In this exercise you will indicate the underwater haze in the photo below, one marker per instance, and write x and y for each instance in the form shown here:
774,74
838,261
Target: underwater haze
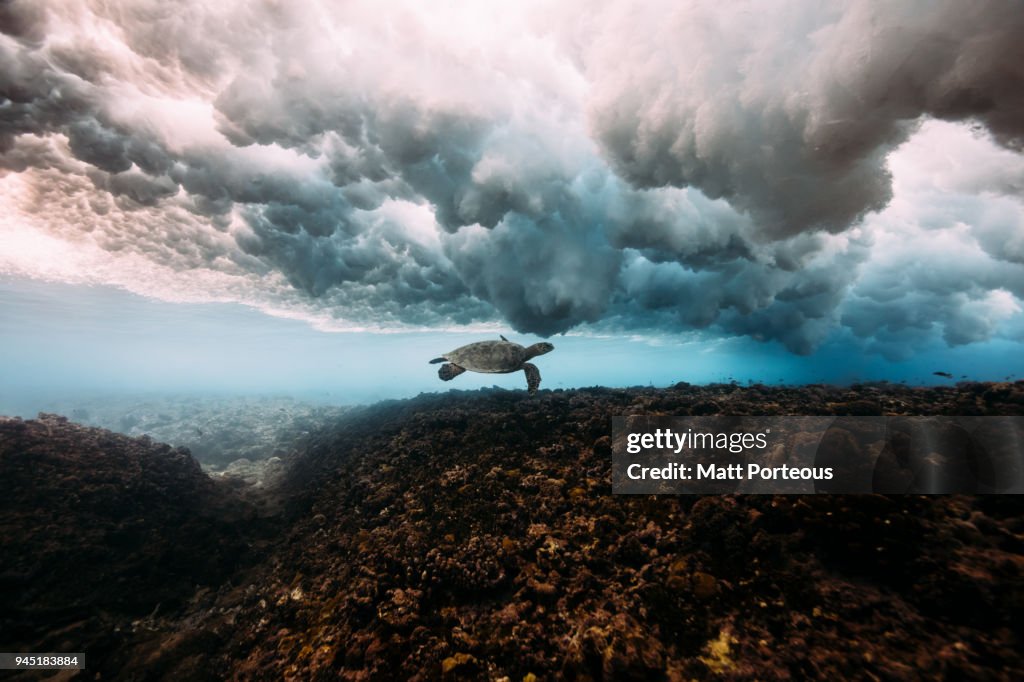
64,347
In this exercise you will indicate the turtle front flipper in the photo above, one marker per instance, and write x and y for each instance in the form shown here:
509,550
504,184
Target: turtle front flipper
532,377
450,371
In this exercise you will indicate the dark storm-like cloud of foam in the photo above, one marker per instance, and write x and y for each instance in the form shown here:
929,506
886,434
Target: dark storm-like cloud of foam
716,166
788,109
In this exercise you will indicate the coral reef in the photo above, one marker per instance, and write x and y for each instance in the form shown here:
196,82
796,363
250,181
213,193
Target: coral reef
101,531
473,535
217,430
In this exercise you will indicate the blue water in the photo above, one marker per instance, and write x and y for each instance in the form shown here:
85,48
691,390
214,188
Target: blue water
59,341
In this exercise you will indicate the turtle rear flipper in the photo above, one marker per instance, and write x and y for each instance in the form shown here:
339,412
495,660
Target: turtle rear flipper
449,372
532,377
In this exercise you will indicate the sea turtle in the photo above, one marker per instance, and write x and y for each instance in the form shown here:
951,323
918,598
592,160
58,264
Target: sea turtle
493,357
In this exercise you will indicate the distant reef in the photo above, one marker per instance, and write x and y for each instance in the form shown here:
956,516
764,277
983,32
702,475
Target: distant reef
217,430
473,535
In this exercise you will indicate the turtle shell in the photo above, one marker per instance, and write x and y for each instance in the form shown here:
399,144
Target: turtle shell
492,357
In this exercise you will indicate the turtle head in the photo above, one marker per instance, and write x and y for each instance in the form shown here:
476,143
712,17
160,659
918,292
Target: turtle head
539,349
